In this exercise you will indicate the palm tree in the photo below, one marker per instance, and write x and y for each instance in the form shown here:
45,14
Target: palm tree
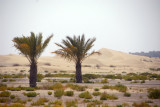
76,49
31,47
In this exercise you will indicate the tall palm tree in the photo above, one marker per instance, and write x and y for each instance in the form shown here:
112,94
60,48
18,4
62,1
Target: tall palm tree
31,47
76,49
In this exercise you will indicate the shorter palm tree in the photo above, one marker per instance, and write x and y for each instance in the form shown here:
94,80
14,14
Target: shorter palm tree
76,49
31,47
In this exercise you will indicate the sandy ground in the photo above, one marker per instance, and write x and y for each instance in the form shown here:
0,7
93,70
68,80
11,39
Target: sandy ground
110,62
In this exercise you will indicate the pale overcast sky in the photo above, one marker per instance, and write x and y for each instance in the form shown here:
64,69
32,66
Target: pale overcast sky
123,25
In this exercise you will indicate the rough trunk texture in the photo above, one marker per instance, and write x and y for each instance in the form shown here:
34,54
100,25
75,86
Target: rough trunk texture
78,72
33,74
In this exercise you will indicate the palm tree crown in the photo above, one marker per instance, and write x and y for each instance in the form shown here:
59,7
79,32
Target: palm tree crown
76,48
32,46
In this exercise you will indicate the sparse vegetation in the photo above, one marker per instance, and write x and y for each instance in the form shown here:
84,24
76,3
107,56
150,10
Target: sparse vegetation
105,96
58,93
5,94
85,95
73,103
126,94
154,93
49,93
96,93
142,104
69,93
31,94
76,87
39,102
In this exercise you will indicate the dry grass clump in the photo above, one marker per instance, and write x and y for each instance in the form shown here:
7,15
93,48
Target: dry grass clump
73,103
85,95
40,101
3,87
142,104
76,87
154,93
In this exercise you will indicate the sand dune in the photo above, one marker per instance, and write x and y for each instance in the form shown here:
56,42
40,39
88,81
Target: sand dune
108,61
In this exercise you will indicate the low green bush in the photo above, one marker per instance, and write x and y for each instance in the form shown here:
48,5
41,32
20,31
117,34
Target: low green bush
12,96
3,87
57,103
85,95
104,81
14,88
76,87
5,80
142,104
73,103
96,93
69,93
58,93
57,86
5,94
40,101
16,105
3,100
154,93
29,89
105,87
31,94
126,94
96,89
49,93
105,96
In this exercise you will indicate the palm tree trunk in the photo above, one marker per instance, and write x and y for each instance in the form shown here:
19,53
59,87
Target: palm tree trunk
78,72
33,74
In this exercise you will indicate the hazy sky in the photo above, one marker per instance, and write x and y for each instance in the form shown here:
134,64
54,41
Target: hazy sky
123,25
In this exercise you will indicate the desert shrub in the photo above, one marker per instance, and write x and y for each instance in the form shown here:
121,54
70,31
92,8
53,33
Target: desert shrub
59,93
120,87
57,103
119,106
29,99
5,80
118,76
49,93
85,95
148,101
14,88
86,80
3,87
69,93
96,93
31,94
39,102
63,81
76,87
126,94
73,103
3,100
57,86
104,81
59,75
12,80
142,104
105,96
16,105
62,71
5,94
90,76
12,96
29,89
154,93
96,89
40,77
105,87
